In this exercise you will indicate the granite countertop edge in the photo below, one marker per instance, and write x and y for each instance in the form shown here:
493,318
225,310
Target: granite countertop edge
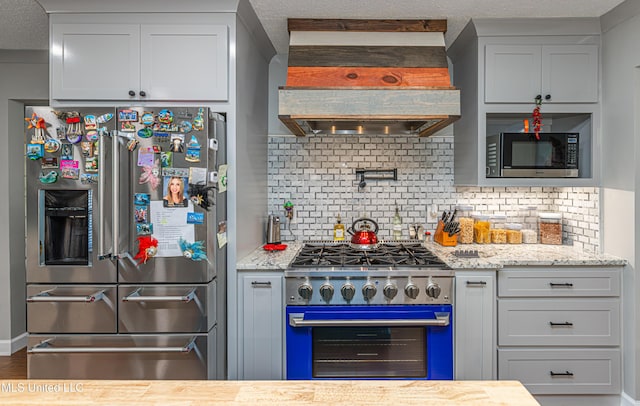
491,257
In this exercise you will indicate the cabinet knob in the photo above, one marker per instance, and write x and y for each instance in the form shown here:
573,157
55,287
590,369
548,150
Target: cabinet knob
143,93
547,97
132,93
538,97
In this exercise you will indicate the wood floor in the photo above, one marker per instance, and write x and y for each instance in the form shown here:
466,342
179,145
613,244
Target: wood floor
14,366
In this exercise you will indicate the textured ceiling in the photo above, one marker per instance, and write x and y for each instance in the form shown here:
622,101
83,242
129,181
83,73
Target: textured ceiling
23,23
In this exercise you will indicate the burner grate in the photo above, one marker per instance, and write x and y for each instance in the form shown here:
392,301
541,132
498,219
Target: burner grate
388,254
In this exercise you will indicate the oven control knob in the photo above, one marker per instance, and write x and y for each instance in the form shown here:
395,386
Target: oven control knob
433,290
369,291
411,290
326,291
348,291
305,291
390,291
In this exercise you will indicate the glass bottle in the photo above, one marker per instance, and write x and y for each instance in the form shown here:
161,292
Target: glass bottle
338,229
397,225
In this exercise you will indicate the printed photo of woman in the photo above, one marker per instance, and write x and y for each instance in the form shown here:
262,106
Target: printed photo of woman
174,192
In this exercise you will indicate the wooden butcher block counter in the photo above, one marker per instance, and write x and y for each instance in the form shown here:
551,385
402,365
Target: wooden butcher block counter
351,393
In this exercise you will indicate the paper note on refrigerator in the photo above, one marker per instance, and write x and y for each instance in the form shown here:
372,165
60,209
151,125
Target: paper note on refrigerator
169,225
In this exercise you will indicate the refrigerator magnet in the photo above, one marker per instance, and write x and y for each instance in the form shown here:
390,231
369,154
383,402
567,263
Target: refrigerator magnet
144,229
35,151
89,122
127,115
193,251
186,126
51,145
145,157
177,143
147,118
87,148
198,122
166,159
89,178
49,177
91,164
127,127
199,195
145,132
70,169
132,144
195,218
141,214
150,175
66,152
222,234
147,248
92,136
104,118
50,162
141,199
198,176
193,150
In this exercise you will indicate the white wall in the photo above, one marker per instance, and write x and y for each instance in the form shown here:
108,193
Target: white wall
24,78
620,174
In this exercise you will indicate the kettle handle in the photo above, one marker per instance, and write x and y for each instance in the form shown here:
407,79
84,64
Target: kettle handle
353,226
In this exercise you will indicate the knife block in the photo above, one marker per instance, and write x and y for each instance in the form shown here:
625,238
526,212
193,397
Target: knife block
442,237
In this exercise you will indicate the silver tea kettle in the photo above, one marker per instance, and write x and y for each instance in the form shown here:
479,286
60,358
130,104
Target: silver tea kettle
273,230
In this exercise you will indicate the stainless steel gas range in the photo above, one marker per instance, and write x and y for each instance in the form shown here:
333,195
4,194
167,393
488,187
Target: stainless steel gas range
381,313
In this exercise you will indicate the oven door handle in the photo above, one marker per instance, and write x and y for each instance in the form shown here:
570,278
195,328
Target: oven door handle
441,320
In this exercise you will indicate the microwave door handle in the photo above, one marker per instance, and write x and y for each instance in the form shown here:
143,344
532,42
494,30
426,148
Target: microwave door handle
102,253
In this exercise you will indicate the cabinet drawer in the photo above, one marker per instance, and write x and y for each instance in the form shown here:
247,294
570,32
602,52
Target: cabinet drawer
558,322
556,283
562,370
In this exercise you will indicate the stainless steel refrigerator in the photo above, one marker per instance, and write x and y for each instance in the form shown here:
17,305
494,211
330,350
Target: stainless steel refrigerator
126,233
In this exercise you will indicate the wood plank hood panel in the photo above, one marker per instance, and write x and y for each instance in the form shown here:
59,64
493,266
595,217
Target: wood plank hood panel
367,76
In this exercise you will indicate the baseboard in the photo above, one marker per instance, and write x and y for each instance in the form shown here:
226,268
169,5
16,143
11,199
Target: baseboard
626,400
8,347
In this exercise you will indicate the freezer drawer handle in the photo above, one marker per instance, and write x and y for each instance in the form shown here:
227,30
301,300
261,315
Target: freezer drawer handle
46,297
45,348
136,297
297,320
566,373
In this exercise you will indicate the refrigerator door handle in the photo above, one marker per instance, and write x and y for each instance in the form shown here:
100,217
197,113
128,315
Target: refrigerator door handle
44,347
102,253
116,191
46,297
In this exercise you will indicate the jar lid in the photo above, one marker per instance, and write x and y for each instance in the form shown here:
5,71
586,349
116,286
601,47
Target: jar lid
550,215
481,217
514,226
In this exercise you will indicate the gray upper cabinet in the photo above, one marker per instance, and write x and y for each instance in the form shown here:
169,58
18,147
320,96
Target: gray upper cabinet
139,62
557,73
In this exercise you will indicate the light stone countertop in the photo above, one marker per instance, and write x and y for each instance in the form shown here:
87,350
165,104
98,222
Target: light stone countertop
491,256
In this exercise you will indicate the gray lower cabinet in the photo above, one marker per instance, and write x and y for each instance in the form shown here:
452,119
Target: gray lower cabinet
475,325
261,325
559,329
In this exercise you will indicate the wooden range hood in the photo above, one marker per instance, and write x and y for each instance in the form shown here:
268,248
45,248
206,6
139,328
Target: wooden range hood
367,77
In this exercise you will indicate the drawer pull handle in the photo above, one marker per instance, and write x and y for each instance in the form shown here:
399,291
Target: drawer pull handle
476,283
566,323
257,284
561,285
566,373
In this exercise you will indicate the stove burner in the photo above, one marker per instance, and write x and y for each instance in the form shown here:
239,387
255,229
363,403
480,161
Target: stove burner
392,254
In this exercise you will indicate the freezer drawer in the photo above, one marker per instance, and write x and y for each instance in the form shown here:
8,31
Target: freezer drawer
71,308
175,356
559,322
166,308
562,370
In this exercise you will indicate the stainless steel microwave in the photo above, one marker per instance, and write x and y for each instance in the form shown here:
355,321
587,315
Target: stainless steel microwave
522,155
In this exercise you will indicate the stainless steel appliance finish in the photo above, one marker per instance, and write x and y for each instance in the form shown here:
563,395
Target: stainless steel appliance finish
166,308
121,356
87,295
71,308
273,230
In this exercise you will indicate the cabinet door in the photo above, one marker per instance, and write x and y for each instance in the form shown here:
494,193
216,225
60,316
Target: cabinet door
184,62
570,73
94,61
261,312
512,73
475,326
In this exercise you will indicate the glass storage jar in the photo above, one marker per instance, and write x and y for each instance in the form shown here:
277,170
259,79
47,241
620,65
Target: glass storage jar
466,224
481,229
514,233
550,226
498,229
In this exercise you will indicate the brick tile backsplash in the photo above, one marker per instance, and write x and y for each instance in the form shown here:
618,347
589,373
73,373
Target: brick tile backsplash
317,174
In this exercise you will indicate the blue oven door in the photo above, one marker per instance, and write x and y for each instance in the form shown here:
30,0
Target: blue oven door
369,342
